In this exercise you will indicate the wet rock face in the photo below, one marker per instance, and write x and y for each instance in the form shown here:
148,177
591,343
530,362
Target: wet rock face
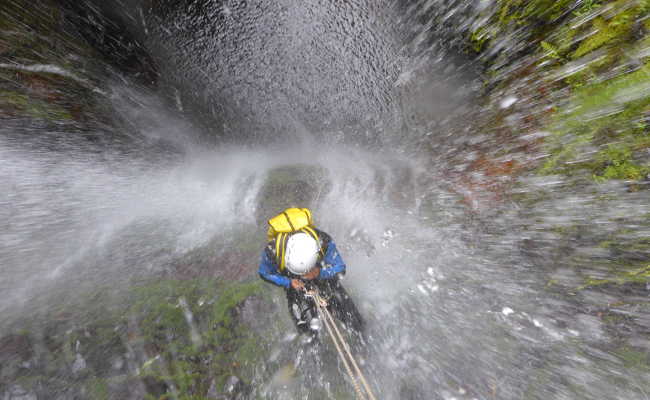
79,364
56,58
15,348
17,392
36,72
16,357
254,311
199,329
102,25
290,186
235,389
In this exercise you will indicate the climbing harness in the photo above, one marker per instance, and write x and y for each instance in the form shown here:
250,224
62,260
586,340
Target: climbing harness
342,347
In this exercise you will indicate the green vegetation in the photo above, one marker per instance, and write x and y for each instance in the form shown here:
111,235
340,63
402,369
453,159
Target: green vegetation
616,31
618,164
637,275
602,128
97,389
635,359
605,116
14,103
31,34
186,356
184,336
522,12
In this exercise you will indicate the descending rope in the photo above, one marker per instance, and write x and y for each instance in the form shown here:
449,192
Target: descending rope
352,360
339,341
355,384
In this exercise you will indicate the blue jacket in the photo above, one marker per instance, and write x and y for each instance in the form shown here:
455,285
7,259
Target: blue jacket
331,264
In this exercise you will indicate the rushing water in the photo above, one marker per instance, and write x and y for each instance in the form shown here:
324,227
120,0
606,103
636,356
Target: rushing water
457,296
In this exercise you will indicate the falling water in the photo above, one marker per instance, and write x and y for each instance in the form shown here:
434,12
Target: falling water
468,292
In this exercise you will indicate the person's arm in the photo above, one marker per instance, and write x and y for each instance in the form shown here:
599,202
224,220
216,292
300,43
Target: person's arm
269,271
332,263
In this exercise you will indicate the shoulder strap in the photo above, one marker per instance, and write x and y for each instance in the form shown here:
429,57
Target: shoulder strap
288,220
313,233
280,249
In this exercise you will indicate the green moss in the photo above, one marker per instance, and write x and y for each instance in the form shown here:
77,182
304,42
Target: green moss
224,347
521,12
539,15
30,382
97,389
605,33
26,26
231,297
32,34
603,113
635,275
638,275
21,14
613,319
620,166
594,97
586,7
550,50
479,39
20,104
552,282
13,99
559,155
635,359
613,31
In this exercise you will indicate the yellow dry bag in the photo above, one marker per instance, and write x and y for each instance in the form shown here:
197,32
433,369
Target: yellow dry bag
289,221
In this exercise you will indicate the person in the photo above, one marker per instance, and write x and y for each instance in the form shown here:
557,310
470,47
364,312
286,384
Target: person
298,258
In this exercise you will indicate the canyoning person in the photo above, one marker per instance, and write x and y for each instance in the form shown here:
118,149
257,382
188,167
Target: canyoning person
300,258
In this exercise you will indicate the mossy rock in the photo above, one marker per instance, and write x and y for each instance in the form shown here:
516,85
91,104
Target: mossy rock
99,343
298,185
608,115
34,32
634,359
16,347
15,350
603,113
228,255
631,276
217,344
97,389
180,334
52,72
608,32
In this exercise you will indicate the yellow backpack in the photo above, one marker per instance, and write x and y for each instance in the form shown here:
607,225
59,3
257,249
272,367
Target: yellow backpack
284,224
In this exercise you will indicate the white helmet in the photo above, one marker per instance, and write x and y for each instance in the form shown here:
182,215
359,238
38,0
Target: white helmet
301,253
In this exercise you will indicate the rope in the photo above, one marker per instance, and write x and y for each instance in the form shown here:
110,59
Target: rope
355,384
352,360
339,341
